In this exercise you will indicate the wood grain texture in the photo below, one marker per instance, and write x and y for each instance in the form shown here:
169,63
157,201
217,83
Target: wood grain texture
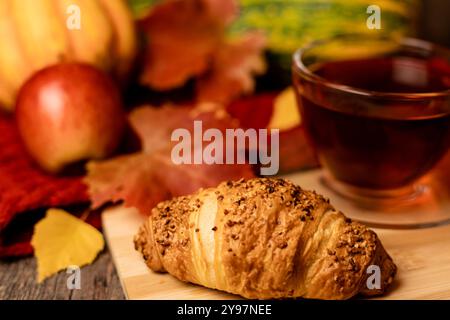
422,257
98,281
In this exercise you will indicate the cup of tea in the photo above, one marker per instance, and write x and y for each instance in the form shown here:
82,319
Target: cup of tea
376,110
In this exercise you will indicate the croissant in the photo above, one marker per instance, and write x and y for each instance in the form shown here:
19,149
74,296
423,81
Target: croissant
263,238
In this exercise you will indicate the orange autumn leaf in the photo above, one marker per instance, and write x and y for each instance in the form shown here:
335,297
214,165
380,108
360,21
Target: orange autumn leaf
286,114
181,37
144,120
131,178
233,66
154,126
144,179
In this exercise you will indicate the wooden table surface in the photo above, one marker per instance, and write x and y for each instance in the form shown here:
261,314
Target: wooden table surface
98,281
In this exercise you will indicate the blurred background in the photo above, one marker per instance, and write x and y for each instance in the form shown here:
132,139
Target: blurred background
434,22
432,15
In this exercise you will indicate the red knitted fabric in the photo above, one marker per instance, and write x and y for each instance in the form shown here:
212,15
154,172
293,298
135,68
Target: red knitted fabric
25,188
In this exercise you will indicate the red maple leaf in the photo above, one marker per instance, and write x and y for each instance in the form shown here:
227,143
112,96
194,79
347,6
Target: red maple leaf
233,66
181,37
187,39
144,179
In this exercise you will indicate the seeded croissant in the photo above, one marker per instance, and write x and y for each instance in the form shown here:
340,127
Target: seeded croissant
262,239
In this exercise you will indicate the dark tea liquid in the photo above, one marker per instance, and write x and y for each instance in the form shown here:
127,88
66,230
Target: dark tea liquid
366,148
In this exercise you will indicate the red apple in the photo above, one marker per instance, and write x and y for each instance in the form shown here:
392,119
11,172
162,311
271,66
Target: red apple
68,113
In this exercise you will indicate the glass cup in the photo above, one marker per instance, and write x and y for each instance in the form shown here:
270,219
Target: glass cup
377,112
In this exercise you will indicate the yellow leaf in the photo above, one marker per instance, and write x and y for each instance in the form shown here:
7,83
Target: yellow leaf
285,114
61,240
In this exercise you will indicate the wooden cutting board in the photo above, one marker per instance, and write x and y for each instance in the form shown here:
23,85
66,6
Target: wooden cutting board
422,257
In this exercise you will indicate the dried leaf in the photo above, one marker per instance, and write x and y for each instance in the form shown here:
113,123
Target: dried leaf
132,178
256,111
233,66
154,126
144,179
61,240
188,178
181,37
286,114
